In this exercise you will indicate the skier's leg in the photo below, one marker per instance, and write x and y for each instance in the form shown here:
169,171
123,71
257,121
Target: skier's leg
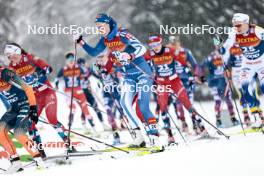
51,113
230,107
180,91
78,94
32,129
180,114
20,130
127,94
8,118
217,107
162,99
7,122
144,92
138,111
91,100
247,80
108,104
244,105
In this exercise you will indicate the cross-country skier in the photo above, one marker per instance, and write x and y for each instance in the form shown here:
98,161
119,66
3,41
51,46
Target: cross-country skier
23,110
234,64
86,86
186,69
250,38
34,71
164,60
218,85
127,51
110,93
72,74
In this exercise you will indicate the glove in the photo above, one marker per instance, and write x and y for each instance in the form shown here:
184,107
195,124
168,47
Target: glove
33,113
76,37
123,57
217,41
203,79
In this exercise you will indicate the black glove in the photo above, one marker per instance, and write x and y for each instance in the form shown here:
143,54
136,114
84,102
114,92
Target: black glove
79,39
203,79
33,113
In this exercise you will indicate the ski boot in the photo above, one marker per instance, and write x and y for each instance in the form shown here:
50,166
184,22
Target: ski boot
171,140
185,128
257,113
246,118
219,123
16,165
153,135
116,138
41,151
155,145
234,121
70,148
247,121
139,140
39,162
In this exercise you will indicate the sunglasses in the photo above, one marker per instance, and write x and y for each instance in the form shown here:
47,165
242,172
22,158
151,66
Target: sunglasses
154,44
70,58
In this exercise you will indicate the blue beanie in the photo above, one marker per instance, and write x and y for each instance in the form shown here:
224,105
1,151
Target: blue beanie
103,18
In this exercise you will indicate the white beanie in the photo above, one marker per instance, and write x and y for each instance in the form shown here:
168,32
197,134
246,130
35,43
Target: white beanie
240,17
12,49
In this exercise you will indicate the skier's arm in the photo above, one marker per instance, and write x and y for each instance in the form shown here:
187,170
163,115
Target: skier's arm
5,102
40,63
202,68
225,49
57,79
191,59
259,32
134,47
94,51
11,77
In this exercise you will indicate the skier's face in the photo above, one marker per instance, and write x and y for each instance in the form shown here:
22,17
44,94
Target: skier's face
157,48
241,28
14,58
70,61
103,28
175,45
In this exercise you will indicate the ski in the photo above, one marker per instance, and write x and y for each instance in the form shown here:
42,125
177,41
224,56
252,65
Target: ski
249,130
206,137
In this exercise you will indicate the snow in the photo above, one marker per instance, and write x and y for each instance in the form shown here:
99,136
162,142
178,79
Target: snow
241,155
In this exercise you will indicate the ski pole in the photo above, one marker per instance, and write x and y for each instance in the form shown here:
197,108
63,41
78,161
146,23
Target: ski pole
177,128
2,169
151,77
229,82
68,96
239,117
87,137
71,103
